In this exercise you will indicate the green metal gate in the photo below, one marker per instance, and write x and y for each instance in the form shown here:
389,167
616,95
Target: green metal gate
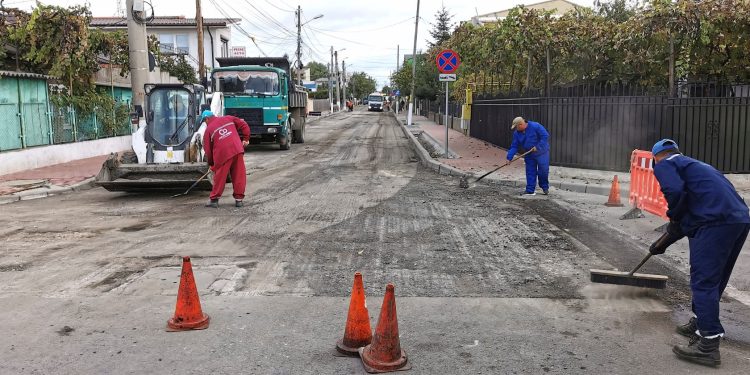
10,115
24,111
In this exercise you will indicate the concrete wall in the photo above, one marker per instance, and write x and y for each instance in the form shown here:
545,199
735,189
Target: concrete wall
36,157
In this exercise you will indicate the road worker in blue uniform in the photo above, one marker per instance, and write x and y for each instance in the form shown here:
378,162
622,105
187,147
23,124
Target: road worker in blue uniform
704,206
530,135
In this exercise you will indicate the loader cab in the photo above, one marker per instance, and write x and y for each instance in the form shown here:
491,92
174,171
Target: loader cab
171,114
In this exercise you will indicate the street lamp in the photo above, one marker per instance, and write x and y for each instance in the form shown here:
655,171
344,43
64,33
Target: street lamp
319,16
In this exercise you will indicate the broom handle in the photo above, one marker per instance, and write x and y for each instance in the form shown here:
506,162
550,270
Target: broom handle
516,158
639,264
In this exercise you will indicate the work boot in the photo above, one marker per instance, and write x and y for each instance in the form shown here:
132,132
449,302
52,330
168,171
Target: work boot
238,203
688,329
213,203
545,191
703,351
527,194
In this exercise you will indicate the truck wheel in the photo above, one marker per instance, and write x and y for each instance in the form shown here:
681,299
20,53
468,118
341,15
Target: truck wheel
287,142
299,135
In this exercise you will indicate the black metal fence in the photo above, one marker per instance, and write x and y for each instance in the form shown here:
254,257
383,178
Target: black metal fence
600,132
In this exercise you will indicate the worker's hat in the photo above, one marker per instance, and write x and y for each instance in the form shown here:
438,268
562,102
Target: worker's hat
517,121
664,145
206,114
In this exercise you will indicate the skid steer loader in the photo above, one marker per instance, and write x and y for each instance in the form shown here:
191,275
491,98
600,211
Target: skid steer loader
167,152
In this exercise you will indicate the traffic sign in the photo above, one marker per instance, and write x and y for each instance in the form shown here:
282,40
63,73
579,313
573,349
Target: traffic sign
447,61
397,93
447,78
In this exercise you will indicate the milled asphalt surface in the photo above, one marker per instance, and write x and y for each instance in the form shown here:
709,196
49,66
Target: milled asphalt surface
486,282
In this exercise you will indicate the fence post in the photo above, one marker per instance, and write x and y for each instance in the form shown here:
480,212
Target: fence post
74,122
49,115
96,126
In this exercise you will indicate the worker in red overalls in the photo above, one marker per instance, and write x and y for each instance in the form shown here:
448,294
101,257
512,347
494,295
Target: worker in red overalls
224,143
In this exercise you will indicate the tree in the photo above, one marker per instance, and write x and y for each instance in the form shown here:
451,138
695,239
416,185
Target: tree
386,90
317,70
360,85
442,28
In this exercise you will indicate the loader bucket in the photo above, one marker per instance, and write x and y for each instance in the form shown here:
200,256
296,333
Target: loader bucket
140,178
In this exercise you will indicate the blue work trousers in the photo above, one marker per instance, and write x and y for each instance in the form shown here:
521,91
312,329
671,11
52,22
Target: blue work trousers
713,252
537,166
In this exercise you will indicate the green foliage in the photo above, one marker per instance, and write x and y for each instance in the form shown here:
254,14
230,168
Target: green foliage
317,70
112,115
426,83
360,85
618,42
442,28
320,93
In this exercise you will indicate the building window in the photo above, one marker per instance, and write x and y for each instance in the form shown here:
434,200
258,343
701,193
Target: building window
177,44
224,47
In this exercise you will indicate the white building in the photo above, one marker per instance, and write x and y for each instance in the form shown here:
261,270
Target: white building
179,35
558,7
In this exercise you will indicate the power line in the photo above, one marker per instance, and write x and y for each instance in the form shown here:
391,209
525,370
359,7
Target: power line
278,7
368,30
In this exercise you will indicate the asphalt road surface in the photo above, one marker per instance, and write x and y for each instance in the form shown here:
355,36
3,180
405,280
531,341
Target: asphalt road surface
486,282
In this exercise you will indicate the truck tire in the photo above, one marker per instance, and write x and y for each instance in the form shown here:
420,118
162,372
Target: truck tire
299,135
287,144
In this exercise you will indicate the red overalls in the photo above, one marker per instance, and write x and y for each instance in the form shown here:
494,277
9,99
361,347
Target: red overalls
222,143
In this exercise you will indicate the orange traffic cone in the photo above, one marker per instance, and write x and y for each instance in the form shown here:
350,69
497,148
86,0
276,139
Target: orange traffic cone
357,333
384,354
187,313
614,194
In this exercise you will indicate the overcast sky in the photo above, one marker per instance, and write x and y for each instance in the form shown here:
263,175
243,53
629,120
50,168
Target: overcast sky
369,31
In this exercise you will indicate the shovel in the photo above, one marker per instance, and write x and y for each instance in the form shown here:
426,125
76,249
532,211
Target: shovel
193,185
465,180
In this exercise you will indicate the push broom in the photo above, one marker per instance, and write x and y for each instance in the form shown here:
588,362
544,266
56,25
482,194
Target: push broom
464,183
631,278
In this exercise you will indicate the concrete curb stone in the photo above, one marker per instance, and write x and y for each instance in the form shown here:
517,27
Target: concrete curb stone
45,192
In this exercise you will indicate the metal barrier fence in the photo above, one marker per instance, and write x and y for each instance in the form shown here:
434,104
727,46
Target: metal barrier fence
645,192
600,132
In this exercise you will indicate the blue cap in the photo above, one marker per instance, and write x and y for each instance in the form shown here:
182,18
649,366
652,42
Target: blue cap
664,145
205,114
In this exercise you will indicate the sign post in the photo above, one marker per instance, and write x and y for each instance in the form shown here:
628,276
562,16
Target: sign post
447,62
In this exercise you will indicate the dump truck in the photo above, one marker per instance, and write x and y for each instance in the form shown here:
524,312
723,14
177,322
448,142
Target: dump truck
167,153
261,91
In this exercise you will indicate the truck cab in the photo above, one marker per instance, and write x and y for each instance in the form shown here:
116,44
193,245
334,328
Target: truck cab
261,92
375,102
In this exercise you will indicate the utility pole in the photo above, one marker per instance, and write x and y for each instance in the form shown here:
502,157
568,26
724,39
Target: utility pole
299,44
201,51
413,70
343,69
338,79
138,52
398,55
330,80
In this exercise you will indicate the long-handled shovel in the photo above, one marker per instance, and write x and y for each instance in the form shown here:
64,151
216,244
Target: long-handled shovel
465,180
193,185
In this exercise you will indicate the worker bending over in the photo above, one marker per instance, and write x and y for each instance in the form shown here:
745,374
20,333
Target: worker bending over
532,136
224,143
704,206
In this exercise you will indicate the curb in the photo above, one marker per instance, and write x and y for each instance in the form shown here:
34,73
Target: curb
447,170
45,192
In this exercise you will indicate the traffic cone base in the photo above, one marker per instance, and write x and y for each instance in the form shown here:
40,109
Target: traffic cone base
357,333
614,194
401,364
188,314
176,325
347,350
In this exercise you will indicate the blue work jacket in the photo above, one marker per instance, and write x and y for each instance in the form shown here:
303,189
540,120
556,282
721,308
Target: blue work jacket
698,195
535,135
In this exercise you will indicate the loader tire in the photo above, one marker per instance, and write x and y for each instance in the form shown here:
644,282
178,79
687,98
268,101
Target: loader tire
128,157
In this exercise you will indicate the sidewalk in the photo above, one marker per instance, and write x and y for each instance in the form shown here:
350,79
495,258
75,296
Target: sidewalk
51,180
